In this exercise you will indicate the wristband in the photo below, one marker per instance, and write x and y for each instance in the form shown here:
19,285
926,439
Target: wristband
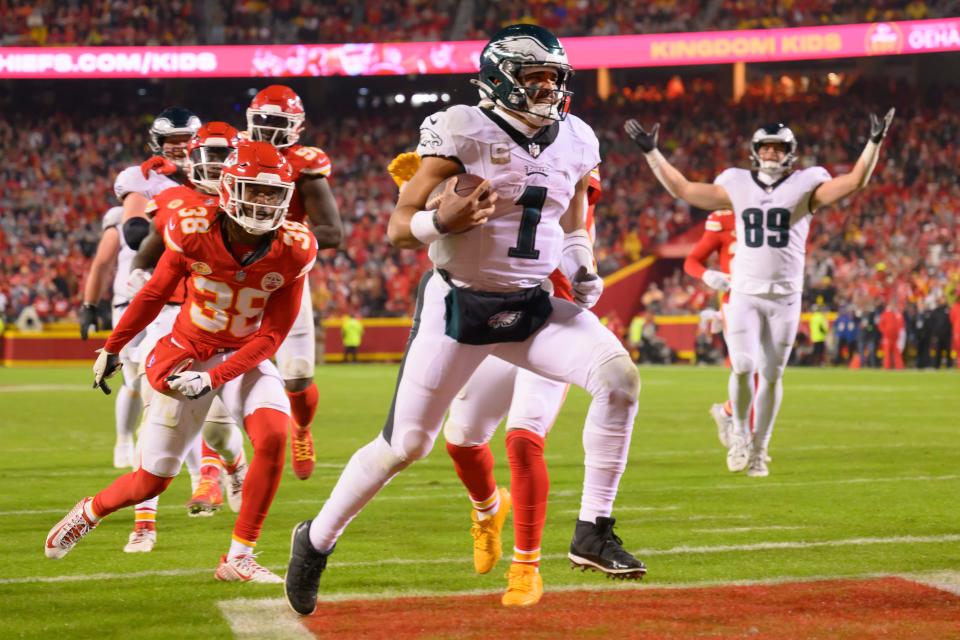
424,227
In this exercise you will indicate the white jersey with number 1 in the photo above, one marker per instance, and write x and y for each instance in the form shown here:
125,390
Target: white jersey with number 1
772,223
535,179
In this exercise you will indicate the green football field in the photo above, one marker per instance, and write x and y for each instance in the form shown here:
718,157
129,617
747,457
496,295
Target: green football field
865,480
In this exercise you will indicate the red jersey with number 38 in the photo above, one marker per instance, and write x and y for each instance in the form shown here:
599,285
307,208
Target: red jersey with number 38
177,200
305,162
249,307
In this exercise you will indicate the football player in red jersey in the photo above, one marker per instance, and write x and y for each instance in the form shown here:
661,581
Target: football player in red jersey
206,153
245,268
720,237
276,116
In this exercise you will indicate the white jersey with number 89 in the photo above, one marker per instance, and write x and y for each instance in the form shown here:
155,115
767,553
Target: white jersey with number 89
535,179
772,226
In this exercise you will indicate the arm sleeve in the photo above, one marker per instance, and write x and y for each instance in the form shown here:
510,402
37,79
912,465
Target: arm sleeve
319,166
436,138
726,178
149,300
695,263
278,316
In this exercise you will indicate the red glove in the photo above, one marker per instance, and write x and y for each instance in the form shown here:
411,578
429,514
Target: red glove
159,164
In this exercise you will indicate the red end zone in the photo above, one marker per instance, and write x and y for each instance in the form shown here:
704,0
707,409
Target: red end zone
835,609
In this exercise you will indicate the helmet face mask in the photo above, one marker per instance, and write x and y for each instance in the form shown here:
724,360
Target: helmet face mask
170,123
276,116
515,53
256,187
207,152
777,133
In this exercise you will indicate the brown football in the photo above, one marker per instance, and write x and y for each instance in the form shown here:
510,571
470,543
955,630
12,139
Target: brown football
466,183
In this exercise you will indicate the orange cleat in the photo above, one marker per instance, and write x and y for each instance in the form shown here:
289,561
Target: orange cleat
206,500
301,443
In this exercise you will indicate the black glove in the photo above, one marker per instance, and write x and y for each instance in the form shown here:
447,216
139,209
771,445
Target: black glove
646,140
88,319
878,127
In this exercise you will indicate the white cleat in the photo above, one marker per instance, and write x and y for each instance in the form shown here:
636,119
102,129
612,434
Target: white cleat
245,568
123,455
234,482
68,532
141,540
758,465
724,424
738,455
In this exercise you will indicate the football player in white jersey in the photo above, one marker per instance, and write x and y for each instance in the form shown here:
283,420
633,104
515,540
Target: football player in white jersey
492,250
773,206
117,246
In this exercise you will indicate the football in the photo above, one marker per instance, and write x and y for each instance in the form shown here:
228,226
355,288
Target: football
466,183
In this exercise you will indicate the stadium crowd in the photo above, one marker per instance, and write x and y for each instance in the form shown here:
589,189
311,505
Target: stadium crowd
893,244
186,22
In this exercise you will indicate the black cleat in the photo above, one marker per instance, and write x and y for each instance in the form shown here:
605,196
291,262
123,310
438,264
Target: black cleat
597,547
303,574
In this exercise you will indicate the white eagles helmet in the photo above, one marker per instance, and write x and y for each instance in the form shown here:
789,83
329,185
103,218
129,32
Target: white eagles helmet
775,132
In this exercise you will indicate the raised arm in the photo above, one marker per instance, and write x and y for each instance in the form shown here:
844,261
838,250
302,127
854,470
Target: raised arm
849,183
699,194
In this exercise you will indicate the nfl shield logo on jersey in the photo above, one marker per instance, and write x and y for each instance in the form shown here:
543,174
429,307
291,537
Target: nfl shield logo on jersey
504,319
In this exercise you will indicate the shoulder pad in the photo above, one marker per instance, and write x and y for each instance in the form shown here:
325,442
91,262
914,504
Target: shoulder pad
302,246
130,180
112,217
310,161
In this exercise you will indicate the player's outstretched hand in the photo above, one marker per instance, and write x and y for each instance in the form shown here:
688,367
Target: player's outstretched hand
88,319
717,280
157,164
106,365
587,287
646,140
457,214
191,384
878,127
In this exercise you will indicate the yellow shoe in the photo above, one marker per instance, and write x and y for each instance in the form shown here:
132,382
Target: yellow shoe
487,546
524,586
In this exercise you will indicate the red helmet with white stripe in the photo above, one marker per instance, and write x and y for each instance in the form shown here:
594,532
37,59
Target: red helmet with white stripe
256,185
206,153
276,116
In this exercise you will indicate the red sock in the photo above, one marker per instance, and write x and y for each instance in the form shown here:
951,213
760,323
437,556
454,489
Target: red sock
210,461
529,486
474,465
303,405
128,490
267,429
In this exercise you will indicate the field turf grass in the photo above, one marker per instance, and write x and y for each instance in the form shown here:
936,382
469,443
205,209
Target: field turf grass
865,481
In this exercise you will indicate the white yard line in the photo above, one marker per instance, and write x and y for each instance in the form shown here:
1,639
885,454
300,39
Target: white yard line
31,388
746,529
680,550
943,580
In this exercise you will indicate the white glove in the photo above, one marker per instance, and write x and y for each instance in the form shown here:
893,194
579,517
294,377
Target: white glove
106,366
136,280
587,287
191,384
717,280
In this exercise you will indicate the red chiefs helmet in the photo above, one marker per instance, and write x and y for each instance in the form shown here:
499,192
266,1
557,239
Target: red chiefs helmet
276,116
256,184
206,152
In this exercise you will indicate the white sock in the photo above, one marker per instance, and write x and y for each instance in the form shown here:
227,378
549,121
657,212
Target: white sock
741,391
239,549
487,508
769,397
368,471
126,413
